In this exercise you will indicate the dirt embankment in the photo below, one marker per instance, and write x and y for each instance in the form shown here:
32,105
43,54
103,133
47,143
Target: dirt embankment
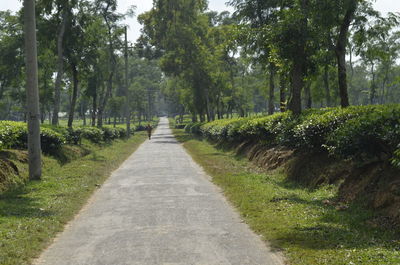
376,183
14,164
11,170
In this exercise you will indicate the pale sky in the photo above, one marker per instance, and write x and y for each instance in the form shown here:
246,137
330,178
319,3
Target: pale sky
383,6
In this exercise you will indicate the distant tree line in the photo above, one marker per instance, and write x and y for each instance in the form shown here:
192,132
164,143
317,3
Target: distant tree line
81,65
272,55
267,56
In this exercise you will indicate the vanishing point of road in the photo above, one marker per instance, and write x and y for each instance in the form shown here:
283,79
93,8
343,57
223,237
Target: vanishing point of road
159,207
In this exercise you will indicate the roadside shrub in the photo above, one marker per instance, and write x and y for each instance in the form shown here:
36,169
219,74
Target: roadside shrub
50,140
314,129
110,134
74,136
355,132
219,129
372,134
93,134
11,134
123,133
194,127
71,135
233,133
15,135
266,128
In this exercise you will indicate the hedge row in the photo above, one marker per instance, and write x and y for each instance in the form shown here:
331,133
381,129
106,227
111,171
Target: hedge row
359,131
15,135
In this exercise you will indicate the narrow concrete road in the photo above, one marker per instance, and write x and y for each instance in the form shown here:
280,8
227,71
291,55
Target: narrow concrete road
159,207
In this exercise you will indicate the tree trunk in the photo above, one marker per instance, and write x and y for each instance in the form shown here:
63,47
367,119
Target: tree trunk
282,92
342,75
373,85
60,66
384,82
271,100
32,91
208,107
326,84
308,95
113,61
75,82
294,103
340,51
299,63
104,100
127,107
83,113
148,116
94,108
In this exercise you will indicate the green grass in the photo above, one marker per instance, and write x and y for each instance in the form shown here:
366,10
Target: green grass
292,218
31,216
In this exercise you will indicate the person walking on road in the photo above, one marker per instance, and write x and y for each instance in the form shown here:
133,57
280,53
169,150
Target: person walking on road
149,129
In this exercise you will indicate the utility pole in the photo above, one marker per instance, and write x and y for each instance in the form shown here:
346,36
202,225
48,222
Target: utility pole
127,109
32,91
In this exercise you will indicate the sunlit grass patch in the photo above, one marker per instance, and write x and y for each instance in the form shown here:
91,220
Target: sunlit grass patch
32,215
293,218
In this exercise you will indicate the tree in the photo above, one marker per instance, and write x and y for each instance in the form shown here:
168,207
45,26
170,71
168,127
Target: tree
378,48
34,149
64,10
256,17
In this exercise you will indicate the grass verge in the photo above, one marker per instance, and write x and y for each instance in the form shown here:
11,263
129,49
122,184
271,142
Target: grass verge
293,218
31,216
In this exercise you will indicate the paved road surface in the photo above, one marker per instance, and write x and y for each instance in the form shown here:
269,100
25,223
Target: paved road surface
159,207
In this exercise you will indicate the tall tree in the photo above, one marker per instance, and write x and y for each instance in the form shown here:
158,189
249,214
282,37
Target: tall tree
107,9
64,9
34,149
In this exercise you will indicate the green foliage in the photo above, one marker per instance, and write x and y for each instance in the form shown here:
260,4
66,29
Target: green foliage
266,128
223,129
194,127
312,132
50,140
375,134
396,157
354,132
10,132
93,134
111,133
15,135
122,132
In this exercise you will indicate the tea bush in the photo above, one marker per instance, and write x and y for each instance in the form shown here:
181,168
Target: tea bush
15,135
194,127
50,140
373,134
266,129
11,133
110,134
314,129
353,132
93,134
